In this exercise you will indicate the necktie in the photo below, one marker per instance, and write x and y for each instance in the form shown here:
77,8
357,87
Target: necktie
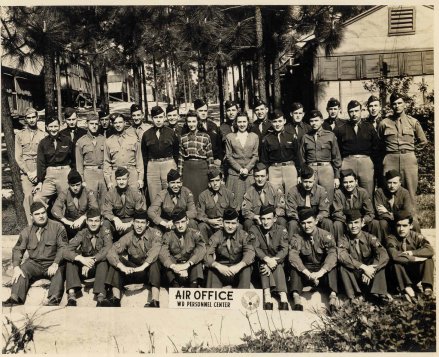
392,201
261,127
315,137
297,129
157,133
357,247
311,240
93,141
76,202
123,198
54,143
72,134
181,240
32,134
229,244
307,200
38,234
93,242
356,128
262,196
174,199
215,197
404,245
350,201
267,236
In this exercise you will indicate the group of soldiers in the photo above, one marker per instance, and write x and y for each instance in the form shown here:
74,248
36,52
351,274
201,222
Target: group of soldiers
276,203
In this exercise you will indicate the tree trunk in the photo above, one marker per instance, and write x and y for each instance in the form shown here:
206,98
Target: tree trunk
225,89
276,82
137,86
204,79
241,87
184,88
15,171
233,84
58,89
261,86
219,72
154,69
173,82
145,94
68,89
49,81
103,86
190,88
93,87
168,95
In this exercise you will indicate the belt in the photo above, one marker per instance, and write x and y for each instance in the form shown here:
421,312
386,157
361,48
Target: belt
400,152
125,167
359,156
162,159
194,159
286,163
321,163
93,167
58,167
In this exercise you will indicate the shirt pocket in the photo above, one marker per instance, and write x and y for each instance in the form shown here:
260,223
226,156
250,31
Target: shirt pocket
408,130
365,250
389,131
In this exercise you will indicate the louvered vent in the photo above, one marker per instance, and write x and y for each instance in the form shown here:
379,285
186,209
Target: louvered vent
401,20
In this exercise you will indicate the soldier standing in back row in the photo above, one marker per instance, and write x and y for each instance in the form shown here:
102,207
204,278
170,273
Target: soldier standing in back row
297,124
138,124
261,125
72,130
333,109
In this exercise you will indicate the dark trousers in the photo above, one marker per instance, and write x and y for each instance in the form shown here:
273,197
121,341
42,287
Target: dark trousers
276,281
354,285
195,273
149,276
325,223
404,275
34,271
372,227
114,232
98,271
299,280
240,281
206,231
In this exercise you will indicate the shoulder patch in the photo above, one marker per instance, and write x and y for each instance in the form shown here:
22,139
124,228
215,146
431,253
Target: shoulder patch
91,193
329,237
326,200
284,230
107,231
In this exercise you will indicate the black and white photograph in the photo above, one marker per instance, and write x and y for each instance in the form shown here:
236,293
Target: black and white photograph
218,178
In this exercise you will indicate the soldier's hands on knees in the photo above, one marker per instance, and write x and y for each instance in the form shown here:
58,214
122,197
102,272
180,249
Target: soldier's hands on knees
88,261
85,270
265,270
51,271
366,280
16,275
183,273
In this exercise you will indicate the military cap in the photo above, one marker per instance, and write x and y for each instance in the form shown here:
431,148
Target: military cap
260,166
347,172
171,108
258,102
315,114
353,104
157,110
230,103
306,172
352,214
198,103
51,119
373,98
401,215
114,116
212,173
266,209
74,177
230,214
277,114
142,214
30,110
395,96
173,175
134,108
392,174
68,112
332,102
178,214
103,114
121,171
296,106
92,116
35,206
305,213
93,212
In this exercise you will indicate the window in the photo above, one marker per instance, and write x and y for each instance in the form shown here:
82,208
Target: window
401,21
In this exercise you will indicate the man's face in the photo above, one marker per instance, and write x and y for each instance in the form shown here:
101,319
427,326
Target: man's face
93,126
159,120
333,112
215,184
230,226
349,183
374,108
242,123
53,128
71,121
231,113
94,223
192,123
105,122
298,115
40,217
260,178
261,112
137,117
309,225
122,181
398,106
119,124
394,184
31,119
268,220
202,112
354,226
316,123
173,117
140,226
278,124
308,183
181,225
175,185
75,187
355,114
403,228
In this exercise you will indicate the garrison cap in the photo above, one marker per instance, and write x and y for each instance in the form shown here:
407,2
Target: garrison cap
353,104
157,110
114,116
260,166
173,175
121,171
230,214
198,103
306,172
352,214
74,177
401,215
92,116
332,102
306,213
171,108
30,110
68,112
277,114
266,209
93,212
51,119
296,106
373,98
258,102
395,96
134,108
230,103
142,214
178,214
103,114
392,174
212,173
35,206
315,114
347,172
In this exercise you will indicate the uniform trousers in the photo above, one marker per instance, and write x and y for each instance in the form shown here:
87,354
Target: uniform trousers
299,280
325,223
363,167
404,275
240,281
373,227
407,165
74,276
54,183
195,273
276,281
324,176
149,276
283,177
34,271
94,178
156,176
27,193
353,283
114,232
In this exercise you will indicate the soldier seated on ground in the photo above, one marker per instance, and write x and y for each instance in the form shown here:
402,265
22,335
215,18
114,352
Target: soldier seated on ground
230,255
142,247
212,203
412,257
362,260
71,205
182,253
308,194
86,256
176,196
271,247
262,193
44,240
313,258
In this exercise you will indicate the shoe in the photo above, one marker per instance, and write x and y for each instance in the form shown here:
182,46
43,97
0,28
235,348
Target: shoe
113,302
428,292
11,302
298,307
268,306
152,303
71,302
104,303
283,306
297,302
53,301
332,304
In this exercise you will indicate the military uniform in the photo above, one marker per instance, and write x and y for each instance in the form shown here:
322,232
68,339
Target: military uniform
139,130
352,253
241,249
273,243
75,134
330,124
88,244
176,249
300,129
255,198
208,208
26,147
313,253
43,251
